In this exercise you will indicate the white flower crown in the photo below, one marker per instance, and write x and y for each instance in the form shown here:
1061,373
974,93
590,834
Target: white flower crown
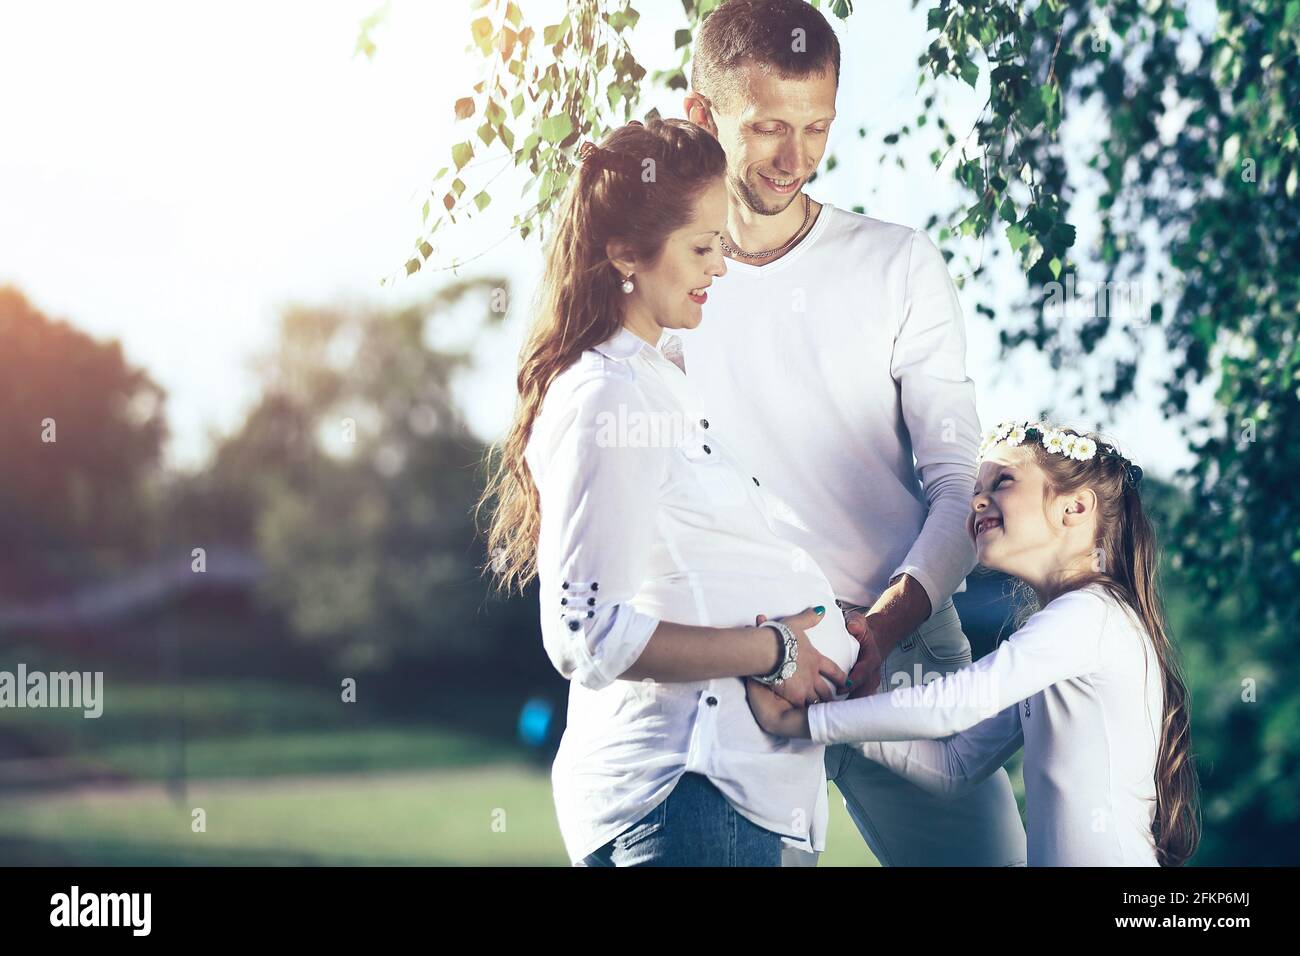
1057,441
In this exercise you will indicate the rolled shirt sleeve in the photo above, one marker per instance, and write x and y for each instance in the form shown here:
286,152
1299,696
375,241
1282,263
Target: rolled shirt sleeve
938,406
598,494
1060,642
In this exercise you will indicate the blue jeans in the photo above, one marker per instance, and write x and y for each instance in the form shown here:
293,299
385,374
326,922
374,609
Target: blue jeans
695,826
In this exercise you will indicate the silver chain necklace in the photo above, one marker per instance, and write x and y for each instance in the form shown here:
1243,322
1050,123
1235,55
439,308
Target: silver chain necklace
807,211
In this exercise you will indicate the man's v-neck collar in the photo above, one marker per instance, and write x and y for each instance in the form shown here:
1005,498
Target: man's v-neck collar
808,241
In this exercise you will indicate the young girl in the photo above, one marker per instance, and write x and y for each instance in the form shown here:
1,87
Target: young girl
1089,686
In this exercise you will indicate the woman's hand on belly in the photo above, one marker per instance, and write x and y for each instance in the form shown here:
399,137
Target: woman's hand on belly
816,677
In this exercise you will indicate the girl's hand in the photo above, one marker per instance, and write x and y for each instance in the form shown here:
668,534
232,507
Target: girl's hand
774,714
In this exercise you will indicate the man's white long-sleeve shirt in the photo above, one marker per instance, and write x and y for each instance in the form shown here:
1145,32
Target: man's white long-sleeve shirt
648,516
831,368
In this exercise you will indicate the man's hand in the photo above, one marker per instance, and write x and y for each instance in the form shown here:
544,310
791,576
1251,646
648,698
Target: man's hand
898,612
865,674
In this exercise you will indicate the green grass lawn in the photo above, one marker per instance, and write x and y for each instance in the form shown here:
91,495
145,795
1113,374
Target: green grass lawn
243,729
287,776
500,815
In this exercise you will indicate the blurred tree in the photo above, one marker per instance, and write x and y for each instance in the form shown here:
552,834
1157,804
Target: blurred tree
81,432
355,476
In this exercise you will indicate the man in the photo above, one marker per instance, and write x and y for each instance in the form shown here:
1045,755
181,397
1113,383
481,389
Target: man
832,356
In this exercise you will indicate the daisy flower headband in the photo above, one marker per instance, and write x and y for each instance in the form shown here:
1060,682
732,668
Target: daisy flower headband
1057,441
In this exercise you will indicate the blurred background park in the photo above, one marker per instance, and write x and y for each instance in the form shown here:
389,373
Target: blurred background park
269,416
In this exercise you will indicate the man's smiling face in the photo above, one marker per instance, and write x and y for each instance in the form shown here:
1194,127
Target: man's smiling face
774,134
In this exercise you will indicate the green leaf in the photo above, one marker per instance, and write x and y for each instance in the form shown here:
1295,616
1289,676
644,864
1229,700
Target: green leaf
970,72
935,19
553,34
481,31
548,186
529,149
481,201
513,14
555,128
1017,236
517,105
487,134
1055,266
1062,235
681,38
461,154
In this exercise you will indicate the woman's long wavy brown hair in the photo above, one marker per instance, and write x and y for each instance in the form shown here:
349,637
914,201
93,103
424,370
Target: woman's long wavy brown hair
638,187
1126,560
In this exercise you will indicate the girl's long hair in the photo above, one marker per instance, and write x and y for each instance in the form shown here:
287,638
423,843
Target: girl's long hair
1126,559
639,186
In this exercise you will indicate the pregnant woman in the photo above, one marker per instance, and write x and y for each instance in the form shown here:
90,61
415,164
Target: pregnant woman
653,544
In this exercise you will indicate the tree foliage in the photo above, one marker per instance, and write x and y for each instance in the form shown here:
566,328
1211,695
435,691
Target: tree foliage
354,479
81,432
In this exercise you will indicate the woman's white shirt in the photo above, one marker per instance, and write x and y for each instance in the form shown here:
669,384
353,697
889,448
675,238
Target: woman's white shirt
1079,687
647,516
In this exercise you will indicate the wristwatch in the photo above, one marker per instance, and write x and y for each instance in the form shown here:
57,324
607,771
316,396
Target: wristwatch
789,662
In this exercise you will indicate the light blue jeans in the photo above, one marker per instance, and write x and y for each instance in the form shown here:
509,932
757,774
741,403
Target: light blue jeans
695,826
903,824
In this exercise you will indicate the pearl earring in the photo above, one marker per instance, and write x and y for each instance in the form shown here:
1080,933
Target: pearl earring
627,285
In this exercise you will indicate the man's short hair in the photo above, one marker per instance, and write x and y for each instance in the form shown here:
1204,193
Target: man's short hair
788,37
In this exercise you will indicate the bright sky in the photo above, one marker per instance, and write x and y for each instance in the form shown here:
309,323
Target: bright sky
176,173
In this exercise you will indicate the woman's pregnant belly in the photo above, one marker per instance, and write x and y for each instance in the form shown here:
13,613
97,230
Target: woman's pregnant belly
728,599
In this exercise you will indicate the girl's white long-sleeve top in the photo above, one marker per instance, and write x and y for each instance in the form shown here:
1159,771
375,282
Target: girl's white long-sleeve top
648,516
1079,687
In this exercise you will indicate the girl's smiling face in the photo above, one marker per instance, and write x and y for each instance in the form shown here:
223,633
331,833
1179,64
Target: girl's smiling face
1007,523
1020,528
